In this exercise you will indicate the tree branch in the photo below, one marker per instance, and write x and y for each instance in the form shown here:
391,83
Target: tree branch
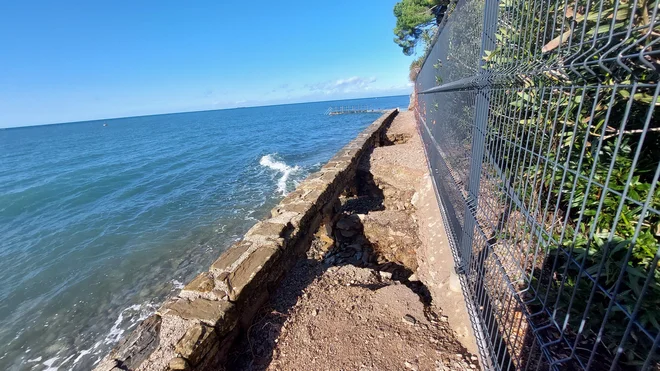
635,131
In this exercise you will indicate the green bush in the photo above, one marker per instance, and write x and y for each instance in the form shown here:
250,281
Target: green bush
597,127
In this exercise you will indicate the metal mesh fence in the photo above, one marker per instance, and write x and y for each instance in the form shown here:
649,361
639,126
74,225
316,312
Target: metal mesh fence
540,125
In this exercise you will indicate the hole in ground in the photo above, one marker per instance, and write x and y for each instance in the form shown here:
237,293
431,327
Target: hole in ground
394,139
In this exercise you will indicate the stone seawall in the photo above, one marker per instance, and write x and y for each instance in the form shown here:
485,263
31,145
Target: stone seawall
195,329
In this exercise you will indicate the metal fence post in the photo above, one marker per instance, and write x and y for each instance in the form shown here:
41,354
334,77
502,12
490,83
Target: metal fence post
501,358
478,139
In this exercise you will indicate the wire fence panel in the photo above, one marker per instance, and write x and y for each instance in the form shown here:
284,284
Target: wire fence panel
540,124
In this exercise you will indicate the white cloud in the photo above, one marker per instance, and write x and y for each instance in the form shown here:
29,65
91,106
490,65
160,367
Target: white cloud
349,85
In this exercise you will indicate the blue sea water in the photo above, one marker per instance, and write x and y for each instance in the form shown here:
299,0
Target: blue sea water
98,224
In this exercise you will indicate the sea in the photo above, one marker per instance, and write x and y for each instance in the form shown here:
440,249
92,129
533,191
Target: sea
101,220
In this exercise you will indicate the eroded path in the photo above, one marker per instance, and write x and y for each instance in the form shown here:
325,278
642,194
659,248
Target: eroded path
357,302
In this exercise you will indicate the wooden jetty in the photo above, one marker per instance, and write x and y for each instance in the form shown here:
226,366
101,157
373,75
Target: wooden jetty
341,110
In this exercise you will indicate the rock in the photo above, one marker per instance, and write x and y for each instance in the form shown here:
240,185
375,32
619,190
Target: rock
197,342
413,278
108,365
315,312
398,167
202,283
266,229
302,207
346,253
327,242
385,275
178,363
347,232
410,366
415,199
210,312
393,237
409,319
365,257
137,346
355,246
349,222
255,268
231,256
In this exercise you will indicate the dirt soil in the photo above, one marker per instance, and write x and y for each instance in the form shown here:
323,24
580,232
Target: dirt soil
356,302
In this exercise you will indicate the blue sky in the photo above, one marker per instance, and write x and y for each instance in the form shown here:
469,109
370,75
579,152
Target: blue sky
64,61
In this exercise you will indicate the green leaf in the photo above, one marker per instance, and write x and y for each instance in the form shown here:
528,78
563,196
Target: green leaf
634,272
646,98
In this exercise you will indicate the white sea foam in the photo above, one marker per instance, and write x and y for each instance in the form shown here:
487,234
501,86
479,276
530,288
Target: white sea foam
286,170
177,285
49,364
94,351
142,310
82,353
127,318
67,359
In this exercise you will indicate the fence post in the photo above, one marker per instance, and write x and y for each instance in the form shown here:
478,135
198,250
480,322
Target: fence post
474,267
478,139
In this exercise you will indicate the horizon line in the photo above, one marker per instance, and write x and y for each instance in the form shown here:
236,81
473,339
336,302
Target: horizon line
194,111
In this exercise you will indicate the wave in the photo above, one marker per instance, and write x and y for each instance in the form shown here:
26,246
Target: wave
286,170
127,319
177,285
135,314
49,364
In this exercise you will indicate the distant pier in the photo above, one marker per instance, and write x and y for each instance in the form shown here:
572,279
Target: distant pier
341,110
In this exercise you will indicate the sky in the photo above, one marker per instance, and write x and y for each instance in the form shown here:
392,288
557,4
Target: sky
64,61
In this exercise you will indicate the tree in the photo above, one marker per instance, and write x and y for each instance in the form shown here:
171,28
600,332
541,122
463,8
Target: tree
415,20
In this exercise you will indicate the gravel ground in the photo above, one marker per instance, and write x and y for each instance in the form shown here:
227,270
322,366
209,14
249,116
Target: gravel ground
349,318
